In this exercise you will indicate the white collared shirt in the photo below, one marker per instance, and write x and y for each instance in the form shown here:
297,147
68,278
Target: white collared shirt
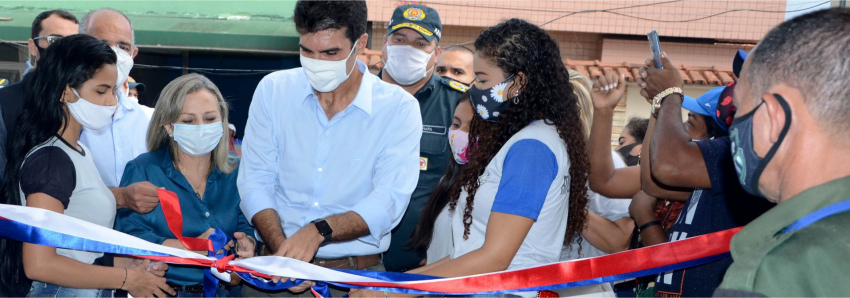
306,167
117,144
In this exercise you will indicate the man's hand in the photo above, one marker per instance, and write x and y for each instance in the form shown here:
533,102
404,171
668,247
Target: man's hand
303,245
642,208
140,197
653,81
607,91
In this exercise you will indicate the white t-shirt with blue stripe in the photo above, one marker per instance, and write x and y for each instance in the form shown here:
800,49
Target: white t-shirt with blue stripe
528,177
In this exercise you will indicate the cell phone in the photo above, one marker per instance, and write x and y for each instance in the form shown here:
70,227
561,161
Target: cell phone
655,48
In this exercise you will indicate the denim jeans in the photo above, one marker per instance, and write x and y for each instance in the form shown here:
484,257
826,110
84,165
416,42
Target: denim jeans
40,289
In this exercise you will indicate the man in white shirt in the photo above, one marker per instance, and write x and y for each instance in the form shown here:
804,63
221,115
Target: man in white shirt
331,153
123,140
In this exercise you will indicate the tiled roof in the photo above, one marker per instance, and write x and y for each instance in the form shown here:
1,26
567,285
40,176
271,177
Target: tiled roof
700,75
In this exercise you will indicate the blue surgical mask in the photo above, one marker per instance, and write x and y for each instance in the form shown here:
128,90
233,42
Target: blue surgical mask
489,103
748,164
197,140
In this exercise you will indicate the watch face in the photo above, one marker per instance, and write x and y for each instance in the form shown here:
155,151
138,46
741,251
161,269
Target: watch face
323,227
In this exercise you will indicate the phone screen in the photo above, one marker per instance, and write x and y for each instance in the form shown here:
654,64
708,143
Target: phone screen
655,48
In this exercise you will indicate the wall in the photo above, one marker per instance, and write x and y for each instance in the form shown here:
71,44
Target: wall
692,54
636,105
575,46
733,21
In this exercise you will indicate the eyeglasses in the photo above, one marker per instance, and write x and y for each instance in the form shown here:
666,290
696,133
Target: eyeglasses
50,39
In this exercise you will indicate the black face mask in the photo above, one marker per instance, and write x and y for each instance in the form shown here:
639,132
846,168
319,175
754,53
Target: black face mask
489,103
747,163
630,159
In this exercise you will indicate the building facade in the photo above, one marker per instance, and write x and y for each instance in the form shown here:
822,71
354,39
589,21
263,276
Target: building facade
603,36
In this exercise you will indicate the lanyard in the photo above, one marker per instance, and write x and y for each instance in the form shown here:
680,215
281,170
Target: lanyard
819,214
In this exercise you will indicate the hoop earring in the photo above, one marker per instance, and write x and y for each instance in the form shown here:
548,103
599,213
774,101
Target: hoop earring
516,98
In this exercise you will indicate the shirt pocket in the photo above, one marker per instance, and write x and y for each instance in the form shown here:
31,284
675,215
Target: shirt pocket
433,143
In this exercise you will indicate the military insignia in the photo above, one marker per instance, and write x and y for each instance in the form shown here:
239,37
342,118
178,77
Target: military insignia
414,27
458,86
414,14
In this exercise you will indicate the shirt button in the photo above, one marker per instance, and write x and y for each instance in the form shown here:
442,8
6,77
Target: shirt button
320,169
207,214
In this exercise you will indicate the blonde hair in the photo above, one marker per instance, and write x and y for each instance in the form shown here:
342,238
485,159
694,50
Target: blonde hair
582,87
168,109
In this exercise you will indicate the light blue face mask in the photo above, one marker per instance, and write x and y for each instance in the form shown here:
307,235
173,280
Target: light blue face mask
198,140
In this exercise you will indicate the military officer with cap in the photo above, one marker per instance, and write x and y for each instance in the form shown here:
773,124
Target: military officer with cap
410,51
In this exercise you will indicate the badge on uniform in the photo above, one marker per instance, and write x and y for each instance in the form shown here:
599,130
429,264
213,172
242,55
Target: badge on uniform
434,129
423,163
458,86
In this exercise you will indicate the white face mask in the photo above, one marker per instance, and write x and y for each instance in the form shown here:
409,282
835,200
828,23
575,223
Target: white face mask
124,65
325,76
406,64
89,115
198,140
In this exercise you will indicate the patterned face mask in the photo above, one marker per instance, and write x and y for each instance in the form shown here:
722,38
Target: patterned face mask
459,141
489,103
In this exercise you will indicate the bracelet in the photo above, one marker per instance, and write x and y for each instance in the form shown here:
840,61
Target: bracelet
125,280
656,101
649,224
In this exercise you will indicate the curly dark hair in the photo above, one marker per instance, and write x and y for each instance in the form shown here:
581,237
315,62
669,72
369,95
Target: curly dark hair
637,128
546,94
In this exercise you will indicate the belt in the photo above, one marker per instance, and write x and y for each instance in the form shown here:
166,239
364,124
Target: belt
191,289
354,263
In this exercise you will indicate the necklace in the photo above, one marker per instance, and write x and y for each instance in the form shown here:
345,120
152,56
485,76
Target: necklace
197,189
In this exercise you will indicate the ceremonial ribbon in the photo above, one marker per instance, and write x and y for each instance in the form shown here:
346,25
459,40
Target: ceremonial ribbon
39,226
170,204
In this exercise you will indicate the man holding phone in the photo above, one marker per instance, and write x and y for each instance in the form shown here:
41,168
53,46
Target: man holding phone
718,202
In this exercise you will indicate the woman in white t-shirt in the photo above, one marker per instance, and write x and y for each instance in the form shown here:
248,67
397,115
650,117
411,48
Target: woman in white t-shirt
73,87
524,190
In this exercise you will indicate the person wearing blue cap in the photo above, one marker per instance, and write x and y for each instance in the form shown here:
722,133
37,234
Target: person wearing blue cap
703,122
410,51
790,146
677,161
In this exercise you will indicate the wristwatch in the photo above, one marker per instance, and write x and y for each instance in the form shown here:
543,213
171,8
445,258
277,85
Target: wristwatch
324,229
656,101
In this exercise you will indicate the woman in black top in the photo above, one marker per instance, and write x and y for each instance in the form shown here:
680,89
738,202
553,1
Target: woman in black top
73,87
